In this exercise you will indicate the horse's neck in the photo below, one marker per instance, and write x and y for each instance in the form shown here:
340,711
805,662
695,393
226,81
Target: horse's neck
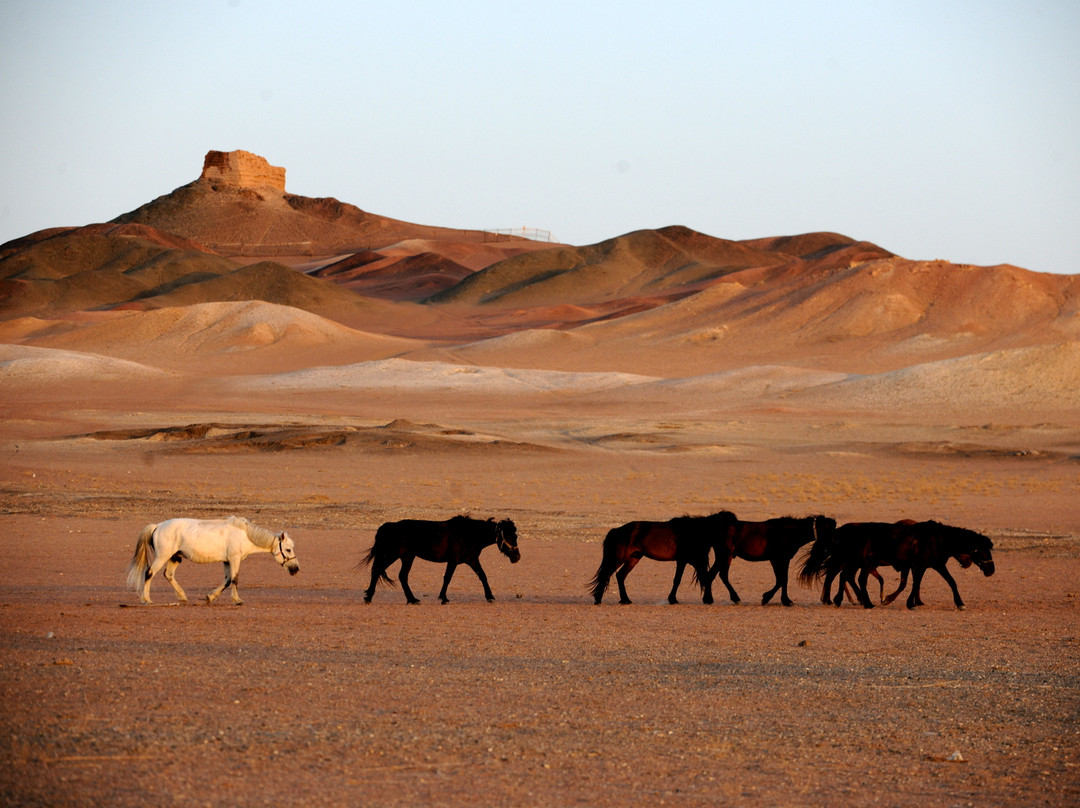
487,535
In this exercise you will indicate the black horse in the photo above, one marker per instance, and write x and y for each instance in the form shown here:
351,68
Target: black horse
455,541
774,540
684,540
818,563
906,546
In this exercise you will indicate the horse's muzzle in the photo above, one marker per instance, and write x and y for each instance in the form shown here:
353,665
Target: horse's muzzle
987,568
293,567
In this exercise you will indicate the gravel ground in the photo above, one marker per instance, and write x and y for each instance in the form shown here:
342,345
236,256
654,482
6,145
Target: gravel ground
308,696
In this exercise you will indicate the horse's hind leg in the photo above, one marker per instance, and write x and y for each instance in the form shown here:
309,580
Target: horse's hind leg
170,576
903,585
483,579
403,576
151,571
721,568
376,571
864,595
844,577
620,577
826,588
603,575
701,570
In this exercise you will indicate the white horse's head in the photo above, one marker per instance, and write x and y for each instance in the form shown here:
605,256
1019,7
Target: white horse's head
285,553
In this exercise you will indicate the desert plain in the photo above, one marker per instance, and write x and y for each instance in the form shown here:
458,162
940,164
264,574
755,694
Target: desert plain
178,361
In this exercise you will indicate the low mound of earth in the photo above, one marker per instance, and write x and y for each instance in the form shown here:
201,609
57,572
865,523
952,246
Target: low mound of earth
666,262
872,317
413,277
98,266
396,437
25,368
417,269
212,337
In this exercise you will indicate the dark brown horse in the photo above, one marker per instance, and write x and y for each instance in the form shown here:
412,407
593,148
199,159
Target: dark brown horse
775,541
684,540
906,546
815,564
455,541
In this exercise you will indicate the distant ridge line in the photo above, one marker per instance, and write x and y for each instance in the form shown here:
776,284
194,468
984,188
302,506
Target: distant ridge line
309,247
530,233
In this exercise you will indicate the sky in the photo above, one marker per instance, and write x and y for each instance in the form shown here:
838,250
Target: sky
937,129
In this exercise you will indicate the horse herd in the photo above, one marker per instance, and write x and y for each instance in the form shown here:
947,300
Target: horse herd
848,554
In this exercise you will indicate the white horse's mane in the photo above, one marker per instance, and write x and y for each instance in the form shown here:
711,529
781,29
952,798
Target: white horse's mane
259,535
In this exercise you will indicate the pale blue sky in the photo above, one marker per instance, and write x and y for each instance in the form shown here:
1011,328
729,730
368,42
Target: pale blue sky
940,129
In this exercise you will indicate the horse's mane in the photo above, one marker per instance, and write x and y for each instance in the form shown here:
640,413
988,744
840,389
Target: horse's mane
259,536
464,518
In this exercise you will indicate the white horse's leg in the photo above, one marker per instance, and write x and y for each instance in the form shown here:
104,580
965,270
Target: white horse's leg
235,580
153,570
170,576
228,581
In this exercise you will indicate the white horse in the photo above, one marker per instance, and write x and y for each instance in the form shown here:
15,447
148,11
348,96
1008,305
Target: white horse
204,541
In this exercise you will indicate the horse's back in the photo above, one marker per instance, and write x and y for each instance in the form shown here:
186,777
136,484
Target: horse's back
655,540
201,540
423,538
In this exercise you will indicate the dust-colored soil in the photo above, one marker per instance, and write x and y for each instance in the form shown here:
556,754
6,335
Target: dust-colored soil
307,696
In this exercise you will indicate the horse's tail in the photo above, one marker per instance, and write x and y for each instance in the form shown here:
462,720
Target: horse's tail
614,543
142,558
818,559
373,553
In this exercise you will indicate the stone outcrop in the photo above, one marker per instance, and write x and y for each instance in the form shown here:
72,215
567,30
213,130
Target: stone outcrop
242,169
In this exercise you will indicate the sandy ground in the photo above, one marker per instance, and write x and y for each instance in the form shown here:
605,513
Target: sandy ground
307,696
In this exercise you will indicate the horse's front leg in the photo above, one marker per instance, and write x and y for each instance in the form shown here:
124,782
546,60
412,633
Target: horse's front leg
944,573
170,576
780,573
450,567
235,583
916,582
403,576
475,564
680,566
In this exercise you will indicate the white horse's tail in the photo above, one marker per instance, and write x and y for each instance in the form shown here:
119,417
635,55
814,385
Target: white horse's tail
141,560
